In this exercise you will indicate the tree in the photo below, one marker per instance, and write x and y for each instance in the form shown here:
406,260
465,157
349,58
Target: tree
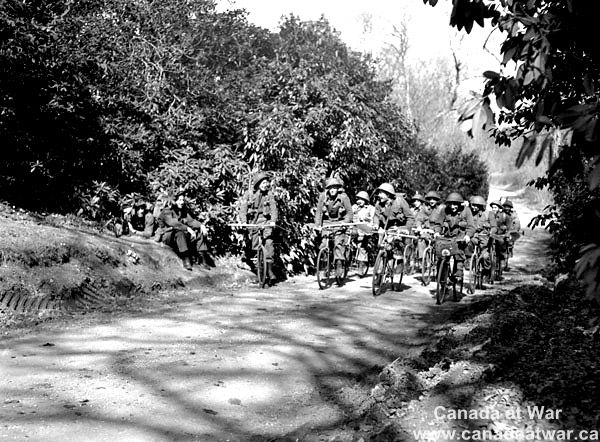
548,98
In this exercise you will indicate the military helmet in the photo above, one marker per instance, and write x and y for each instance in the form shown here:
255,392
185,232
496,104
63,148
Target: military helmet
388,188
496,203
418,196
477,200
258,178
432,194
508,203
455,197
333,182
364,196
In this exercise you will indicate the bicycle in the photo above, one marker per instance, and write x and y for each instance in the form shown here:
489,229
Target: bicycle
410,255
475,271
428,261
387,263
261,253
352,258
325,258
496,259
446,266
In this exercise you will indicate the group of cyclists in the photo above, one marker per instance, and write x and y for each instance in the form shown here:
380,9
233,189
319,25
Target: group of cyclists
461,225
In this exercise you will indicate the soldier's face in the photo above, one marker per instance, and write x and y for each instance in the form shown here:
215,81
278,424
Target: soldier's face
453,207
432,202
495,208
508,210
416,204
180,201
383,197
333,191
139,211
264,185
360,202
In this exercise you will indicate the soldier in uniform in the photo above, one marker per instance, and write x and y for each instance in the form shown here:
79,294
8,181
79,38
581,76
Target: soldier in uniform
513,225
260,207
334,207
392,211
432,198
454,221
422,212
140,220
363,212
178,229
484,225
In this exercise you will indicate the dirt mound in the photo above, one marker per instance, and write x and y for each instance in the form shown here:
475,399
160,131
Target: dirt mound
51,265
501,359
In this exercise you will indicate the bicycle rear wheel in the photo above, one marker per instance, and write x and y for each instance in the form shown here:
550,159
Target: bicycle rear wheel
493,259
409,252
379,272
427,266
442,281
398,267
474,273
323,268
261,266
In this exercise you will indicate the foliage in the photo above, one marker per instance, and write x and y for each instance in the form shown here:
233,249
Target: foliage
116,98
548,98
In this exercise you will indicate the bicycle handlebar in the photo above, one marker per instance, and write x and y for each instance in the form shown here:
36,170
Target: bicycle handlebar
255,226
335,226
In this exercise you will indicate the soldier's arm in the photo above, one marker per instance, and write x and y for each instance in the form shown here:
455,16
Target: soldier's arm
408,213
348,215
149,224
470,230
171,221
436,219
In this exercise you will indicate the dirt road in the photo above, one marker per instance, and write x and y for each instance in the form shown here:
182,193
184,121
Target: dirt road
283,363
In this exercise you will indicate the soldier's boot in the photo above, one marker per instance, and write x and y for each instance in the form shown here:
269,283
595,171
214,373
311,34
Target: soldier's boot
204,260
187,262
270,275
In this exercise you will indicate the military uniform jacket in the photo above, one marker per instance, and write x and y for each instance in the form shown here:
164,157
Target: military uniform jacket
513,224
145,224
258,207
394,213
501,223
178,219
363,214
333,210
422,216
452,226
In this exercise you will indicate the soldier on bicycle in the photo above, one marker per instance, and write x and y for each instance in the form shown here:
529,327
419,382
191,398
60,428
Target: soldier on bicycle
454,222
484,224
363,212
422,212
392,211
513,224
500,229
260,207
334,207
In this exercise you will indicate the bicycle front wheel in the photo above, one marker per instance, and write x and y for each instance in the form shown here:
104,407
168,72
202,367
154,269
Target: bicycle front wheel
474,272
379,272
261,266
323,268
409,253
427,266
442,281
